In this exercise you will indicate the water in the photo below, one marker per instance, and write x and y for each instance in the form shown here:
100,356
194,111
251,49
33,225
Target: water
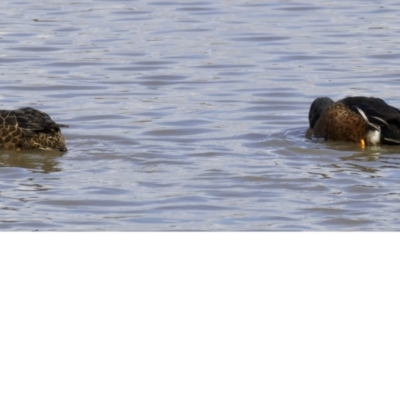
191,115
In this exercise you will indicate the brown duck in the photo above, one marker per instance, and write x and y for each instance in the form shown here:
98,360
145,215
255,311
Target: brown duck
28,128
365,120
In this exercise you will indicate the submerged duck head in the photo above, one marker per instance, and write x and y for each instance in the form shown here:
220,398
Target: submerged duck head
318,106
364,120
46,141
27,128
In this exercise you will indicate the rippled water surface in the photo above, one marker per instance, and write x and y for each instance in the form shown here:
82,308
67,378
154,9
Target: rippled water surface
191,115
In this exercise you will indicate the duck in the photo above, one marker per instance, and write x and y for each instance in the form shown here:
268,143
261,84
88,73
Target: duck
369,121
28,128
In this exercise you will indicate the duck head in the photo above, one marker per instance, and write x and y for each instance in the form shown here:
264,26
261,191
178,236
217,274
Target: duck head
318,106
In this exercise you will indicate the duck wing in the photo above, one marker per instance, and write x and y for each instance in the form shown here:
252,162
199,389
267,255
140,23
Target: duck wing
380,113
31,121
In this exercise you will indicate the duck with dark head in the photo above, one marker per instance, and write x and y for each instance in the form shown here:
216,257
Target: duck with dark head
365,120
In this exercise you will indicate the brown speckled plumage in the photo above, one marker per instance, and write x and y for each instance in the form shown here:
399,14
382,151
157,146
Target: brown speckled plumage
369,120
339,122
28,128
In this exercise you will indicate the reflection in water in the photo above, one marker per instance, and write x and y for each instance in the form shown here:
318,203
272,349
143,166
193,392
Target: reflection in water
36,161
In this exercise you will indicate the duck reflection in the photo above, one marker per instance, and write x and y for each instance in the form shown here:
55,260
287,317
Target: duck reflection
36,161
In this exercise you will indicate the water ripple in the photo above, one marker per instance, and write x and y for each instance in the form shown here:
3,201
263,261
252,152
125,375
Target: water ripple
192,115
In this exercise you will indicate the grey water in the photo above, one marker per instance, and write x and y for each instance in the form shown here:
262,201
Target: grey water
191,115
